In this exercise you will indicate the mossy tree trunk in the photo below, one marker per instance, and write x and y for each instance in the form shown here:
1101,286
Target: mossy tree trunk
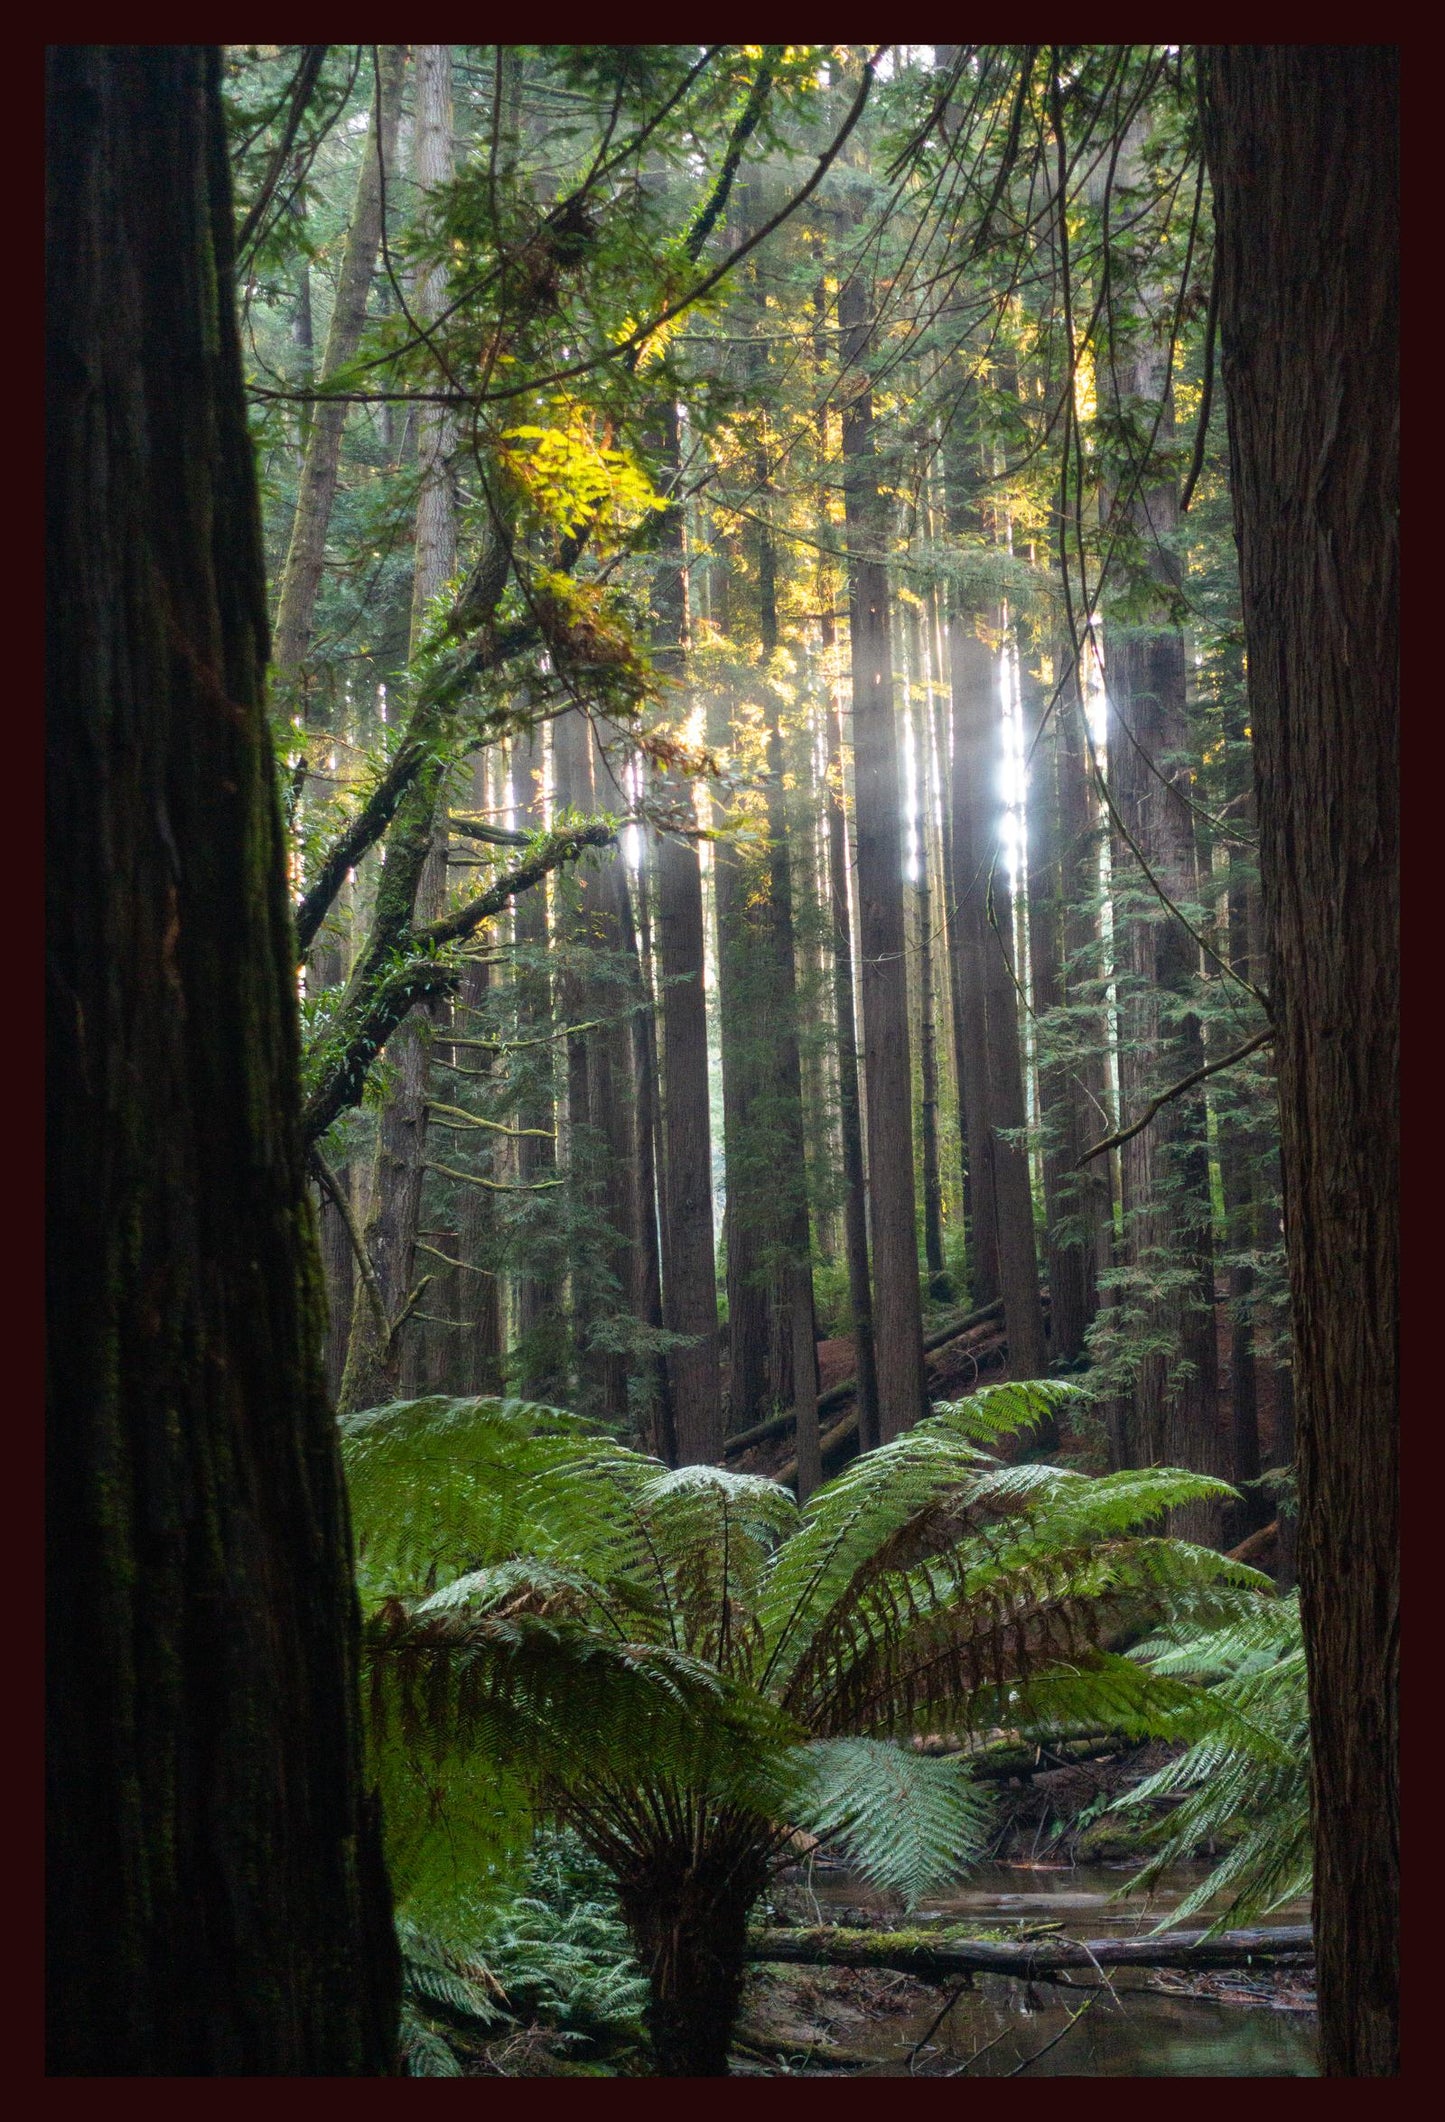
217,1900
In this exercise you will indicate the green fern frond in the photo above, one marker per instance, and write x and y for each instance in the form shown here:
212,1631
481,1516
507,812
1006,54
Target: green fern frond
909,1823
1249,1761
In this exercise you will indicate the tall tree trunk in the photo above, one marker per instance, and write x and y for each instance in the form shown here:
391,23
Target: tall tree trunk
1063,1109
897,1307
1303,152
855,1203
990,1063
738,946
375,1362
217,1904
1080,845
541,1365
573,791
938,1282
301,575
689,1265
1234,1122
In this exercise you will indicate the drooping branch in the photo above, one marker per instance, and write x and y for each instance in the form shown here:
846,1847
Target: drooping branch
1175,1090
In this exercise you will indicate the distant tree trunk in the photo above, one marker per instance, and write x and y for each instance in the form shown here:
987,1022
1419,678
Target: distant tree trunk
1233,1128
473,1355
990,1063
1168,1214
737,949
689,1265
541,1366
855,1205
572,788
897,1308
938,1282
1303,151
375,1363
217,1904
301,575
1069,1120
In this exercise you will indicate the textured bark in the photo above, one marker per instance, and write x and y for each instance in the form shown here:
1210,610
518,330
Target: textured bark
301,575
897,1309
1303,152
216,1899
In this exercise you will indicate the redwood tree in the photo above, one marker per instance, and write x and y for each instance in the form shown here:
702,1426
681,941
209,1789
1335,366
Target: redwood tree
1303,153
217,1902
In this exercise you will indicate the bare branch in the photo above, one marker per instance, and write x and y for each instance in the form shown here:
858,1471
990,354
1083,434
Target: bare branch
1176,1090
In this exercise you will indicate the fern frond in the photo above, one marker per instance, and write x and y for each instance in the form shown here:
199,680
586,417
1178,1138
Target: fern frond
909,1823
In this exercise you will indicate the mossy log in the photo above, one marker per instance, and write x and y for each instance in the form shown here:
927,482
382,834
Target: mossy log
931,1956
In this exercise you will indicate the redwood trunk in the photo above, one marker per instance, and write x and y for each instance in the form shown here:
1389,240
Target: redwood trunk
217,1904
1302,143
897,1305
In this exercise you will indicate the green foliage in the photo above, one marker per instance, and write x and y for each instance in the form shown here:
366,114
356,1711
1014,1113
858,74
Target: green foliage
554,1622
1249,1762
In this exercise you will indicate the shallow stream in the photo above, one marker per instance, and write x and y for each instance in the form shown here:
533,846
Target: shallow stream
1130,2027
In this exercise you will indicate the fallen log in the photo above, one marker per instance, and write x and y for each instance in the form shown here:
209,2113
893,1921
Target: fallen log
838,1395
941,1958
833,1439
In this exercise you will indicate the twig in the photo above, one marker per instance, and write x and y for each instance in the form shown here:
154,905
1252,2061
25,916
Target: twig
1058,2037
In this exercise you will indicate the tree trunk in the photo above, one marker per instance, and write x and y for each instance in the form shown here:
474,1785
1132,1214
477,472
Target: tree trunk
541,1364
217,1904
897,1306
1070,1258
686,1911
938,1283
855,1205
1302,144
375,1363
301,575
990,1063
689,1265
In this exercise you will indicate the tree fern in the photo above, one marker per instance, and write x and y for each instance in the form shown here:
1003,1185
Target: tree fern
1250,1762
686,1668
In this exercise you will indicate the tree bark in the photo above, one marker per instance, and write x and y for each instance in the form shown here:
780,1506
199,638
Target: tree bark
217,1903
1303,153
897,1306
